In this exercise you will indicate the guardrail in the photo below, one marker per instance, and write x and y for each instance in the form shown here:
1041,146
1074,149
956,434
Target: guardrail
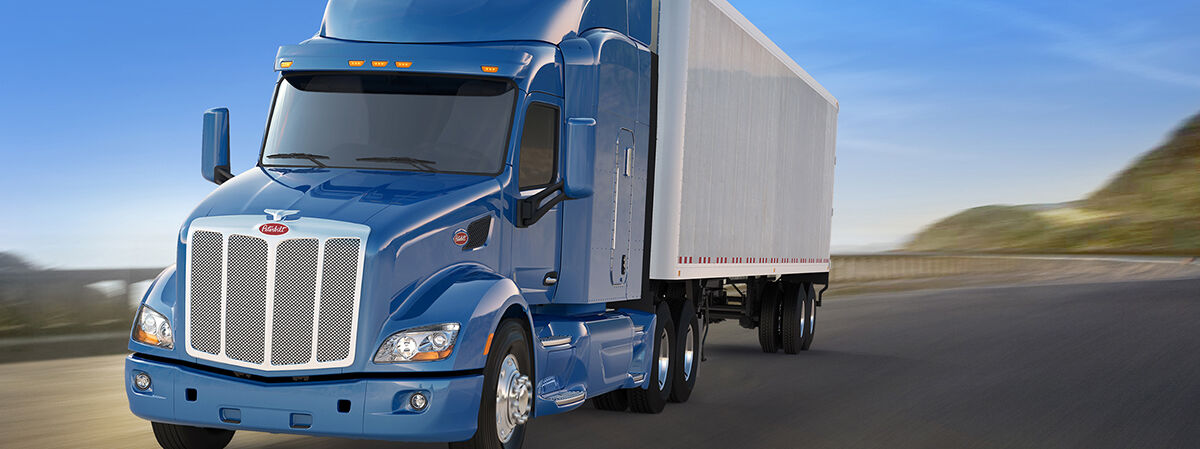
851,269
53,302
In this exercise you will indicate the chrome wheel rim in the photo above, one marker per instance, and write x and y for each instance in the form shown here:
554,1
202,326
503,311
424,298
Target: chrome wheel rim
664,359
689,351
812,318
513,398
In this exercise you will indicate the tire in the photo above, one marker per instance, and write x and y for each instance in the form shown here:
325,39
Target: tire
768,319
810,311
687,366
653,398
794,324
172,436
613,401
509,343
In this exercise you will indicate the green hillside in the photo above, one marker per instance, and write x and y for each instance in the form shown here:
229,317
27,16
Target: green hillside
1153,206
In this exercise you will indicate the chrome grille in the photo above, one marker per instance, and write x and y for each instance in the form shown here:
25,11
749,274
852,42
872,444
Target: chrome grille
246,299
337,299
295,301
273,303
207,251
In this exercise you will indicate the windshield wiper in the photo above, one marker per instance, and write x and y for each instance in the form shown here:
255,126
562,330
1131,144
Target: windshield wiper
420,164
314,158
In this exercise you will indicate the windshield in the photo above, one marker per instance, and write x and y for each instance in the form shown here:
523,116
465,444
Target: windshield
390,122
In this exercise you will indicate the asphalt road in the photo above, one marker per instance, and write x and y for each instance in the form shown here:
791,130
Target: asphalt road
1068,366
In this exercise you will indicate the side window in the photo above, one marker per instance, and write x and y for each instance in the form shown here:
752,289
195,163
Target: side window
539,147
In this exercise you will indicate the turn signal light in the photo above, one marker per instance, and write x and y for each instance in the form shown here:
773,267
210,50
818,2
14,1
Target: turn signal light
433,356
285,64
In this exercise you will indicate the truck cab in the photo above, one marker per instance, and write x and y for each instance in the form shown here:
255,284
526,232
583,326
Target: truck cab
425,196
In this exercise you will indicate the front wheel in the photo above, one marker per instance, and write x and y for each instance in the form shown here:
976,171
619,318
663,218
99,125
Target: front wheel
507,401
173,436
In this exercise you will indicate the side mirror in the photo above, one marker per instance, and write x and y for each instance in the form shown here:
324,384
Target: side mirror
577,176
214,152
579,158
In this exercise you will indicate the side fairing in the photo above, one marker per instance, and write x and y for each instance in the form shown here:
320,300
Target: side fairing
607,78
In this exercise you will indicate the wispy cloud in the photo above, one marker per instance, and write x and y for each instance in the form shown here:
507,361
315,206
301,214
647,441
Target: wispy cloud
1123,50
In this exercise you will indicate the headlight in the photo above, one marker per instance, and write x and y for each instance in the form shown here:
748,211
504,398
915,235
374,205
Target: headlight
152,328
422,344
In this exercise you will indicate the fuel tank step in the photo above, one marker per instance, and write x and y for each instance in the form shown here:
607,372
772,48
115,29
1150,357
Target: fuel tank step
567,398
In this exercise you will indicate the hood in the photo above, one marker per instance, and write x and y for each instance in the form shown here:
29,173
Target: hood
355,196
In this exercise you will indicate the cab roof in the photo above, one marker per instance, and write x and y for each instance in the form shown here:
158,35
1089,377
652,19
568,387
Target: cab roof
443,21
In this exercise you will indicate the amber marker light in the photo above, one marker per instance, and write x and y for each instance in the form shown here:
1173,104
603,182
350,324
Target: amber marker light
403,64
490,69
379,63
285,64
357,63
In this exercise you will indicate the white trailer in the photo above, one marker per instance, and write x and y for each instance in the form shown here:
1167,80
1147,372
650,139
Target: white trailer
743,182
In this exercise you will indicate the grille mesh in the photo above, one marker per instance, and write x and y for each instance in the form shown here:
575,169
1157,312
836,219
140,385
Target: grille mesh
338,288
477,233
246,309
206,291
295,302
314,287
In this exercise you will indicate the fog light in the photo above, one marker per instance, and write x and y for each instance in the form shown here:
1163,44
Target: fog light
141,381
418,401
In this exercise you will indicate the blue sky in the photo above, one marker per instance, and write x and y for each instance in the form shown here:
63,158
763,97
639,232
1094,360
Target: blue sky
945,105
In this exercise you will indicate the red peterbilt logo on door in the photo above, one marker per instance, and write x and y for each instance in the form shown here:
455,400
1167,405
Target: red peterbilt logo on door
273,229
461,237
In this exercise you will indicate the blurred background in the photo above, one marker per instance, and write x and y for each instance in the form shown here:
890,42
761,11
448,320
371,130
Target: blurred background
966,127
973,133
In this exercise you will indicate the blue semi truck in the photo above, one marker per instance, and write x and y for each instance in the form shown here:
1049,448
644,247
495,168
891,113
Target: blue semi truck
469,214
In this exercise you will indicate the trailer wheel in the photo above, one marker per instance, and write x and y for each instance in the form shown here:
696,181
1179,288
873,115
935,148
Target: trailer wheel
768,319
613,401
687,358
172,436
507,401
653,398
810,313
794,325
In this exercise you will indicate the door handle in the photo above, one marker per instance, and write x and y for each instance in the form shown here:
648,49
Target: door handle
550,279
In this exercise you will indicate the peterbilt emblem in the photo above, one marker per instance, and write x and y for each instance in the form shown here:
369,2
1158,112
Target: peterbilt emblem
273,229
461,237
280,214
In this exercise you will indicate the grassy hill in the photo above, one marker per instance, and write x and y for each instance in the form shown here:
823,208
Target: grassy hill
1153,206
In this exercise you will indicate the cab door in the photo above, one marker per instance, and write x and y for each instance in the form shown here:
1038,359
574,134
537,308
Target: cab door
536,248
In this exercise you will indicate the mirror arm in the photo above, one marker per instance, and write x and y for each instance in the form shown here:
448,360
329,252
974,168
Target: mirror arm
531,209
222,174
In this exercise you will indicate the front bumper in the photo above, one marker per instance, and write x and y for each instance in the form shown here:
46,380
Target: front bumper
378,408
